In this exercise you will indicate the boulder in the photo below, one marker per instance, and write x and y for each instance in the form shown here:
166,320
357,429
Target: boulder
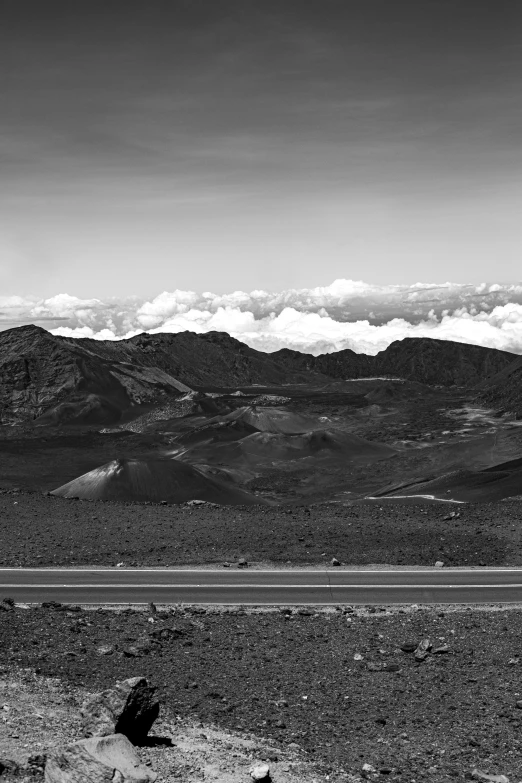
260,771
97,760
8,766
129,708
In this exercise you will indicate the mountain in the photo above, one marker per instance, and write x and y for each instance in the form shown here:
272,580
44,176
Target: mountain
504,390
154,480
54,379
418,359
51,379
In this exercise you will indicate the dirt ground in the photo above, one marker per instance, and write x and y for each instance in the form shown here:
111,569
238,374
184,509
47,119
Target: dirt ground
38,530
41,713
335,683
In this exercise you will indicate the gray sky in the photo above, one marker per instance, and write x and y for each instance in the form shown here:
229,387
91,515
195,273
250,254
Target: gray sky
242,144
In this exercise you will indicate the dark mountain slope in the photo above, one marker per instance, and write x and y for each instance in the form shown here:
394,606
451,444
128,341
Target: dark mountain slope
211,359
418,359
58,379
54,379
61,379
504,390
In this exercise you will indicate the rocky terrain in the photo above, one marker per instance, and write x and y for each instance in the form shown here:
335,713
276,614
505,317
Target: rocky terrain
346,695
52,531
504,390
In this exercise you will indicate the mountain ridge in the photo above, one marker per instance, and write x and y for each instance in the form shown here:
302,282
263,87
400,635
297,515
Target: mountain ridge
53,379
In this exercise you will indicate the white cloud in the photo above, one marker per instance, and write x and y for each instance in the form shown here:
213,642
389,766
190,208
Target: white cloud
345,314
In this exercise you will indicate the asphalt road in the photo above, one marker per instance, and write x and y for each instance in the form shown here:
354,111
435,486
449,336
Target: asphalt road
234,586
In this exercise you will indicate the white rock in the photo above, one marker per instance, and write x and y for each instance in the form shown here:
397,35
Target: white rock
259,771
97,759
439,564
477,774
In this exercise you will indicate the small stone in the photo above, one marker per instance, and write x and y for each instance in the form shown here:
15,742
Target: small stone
242,563
519,704
226,565
423,648
477,774
443,649
358,657
335,562
367,769
439,564
259,771
105,649
409,647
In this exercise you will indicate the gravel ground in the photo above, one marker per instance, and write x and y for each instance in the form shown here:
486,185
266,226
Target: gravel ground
38,530
336,683
41,713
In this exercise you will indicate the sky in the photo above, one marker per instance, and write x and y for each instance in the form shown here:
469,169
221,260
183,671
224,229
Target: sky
180,147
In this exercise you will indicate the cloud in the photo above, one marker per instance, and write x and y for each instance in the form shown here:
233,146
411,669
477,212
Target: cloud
346,314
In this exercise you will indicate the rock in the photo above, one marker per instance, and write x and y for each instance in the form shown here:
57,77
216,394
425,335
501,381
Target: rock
242,563
478,775
127,708
367,769
441,650
439,564
519,704
259,772
423,648
409,647
374,667
97,760
358,657
8,766
105,649
335,562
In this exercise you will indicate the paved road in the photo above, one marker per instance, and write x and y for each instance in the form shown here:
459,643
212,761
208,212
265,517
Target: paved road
232,586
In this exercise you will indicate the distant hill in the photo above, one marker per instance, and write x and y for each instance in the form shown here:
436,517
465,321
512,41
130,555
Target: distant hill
54,379
51,379
418,359
504,390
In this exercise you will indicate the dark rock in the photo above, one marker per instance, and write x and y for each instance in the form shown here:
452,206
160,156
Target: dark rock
8,766
128,708
409,647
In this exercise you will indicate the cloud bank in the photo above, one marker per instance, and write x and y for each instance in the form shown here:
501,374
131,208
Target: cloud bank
346,314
